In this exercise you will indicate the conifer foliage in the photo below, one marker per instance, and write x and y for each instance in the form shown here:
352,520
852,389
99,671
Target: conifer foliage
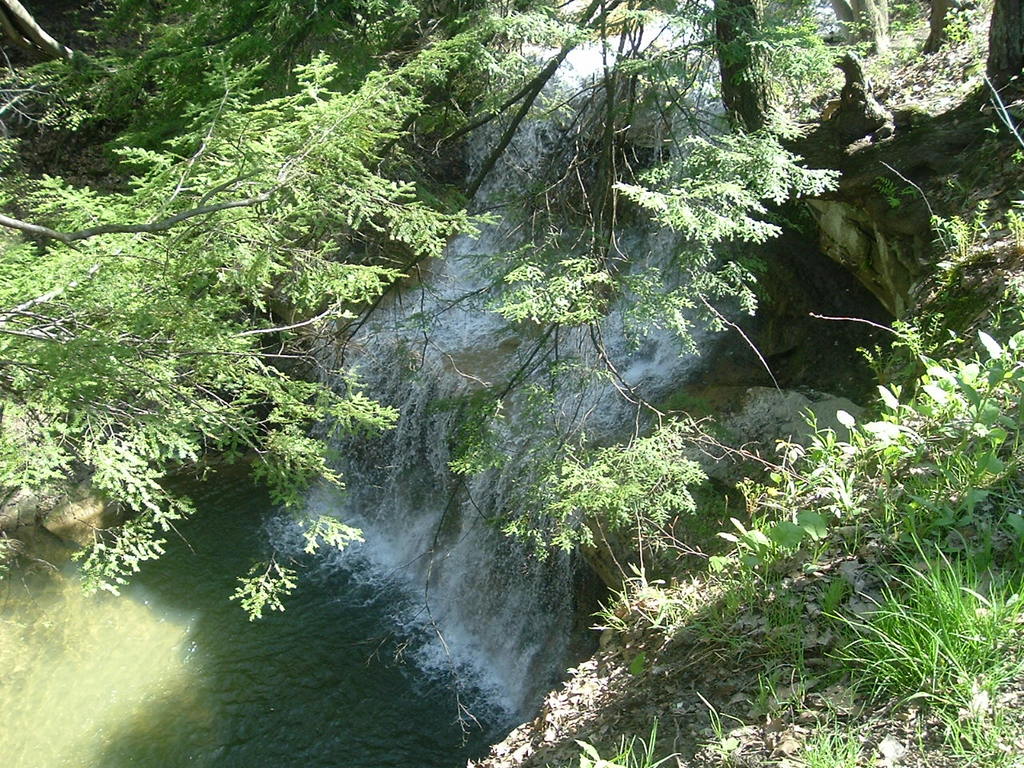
167,319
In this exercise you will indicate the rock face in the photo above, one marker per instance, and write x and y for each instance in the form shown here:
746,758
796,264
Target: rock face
49,525
887,252
886,239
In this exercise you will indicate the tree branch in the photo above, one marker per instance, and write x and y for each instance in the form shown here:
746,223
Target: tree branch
292,327
161,225
22,30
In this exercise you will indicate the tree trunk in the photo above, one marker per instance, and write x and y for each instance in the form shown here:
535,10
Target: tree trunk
874,16
744,67
1006,42
844,12
22,30
865,21
939,17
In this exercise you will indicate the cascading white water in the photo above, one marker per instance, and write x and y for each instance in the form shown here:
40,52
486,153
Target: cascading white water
476,601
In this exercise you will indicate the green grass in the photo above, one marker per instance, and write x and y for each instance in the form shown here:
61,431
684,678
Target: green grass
941,634
830,748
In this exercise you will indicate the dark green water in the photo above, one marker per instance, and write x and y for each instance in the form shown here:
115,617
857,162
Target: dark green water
173,674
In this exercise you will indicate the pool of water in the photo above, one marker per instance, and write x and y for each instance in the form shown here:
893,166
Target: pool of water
172,673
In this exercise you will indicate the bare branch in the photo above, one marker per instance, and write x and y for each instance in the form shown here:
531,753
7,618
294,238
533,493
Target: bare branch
723,319
924,197
292,327
22,30
881,327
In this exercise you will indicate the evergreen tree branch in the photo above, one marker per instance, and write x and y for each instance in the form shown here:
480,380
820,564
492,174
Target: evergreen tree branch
161,225
532,87
528,95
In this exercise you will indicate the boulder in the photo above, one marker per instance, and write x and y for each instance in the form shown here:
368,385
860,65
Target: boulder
768,415
77,518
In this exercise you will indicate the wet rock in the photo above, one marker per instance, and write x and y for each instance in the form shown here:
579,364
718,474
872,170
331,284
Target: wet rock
21,509
24,538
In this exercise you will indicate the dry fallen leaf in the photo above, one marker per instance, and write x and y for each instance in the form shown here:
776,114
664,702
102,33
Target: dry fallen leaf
788,745
891,751
838,698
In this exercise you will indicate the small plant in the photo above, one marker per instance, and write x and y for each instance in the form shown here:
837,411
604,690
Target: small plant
892,192
760,546
959,236
830,748
834,594
983,734
958,25
1015,223
631,753
659,606
724,746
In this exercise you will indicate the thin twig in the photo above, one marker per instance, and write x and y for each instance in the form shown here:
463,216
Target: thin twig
722,318
879,326
931,213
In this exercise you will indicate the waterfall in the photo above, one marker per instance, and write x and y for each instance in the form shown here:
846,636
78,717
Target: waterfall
475,602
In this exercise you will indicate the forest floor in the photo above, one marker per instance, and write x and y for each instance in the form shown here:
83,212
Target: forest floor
761,689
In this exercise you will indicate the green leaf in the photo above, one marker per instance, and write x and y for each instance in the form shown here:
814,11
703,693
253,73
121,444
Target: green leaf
815,524
993,464
718,563
883,430
786,534
637,665
589,749
936,393
846,419
757,540
1015,522
730,744
991,345
970,393
989,414
975,496
888,398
